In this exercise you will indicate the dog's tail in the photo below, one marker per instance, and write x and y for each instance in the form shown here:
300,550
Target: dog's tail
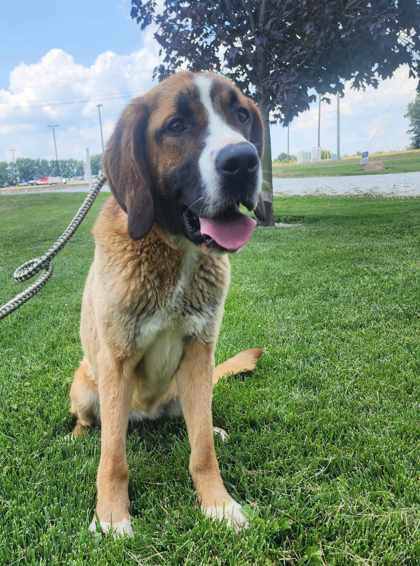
243,362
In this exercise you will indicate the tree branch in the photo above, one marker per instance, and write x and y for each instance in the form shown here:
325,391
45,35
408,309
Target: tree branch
262,13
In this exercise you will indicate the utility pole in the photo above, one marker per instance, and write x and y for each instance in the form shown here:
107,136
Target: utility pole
319,123
53,127
13,154
99,106
338,127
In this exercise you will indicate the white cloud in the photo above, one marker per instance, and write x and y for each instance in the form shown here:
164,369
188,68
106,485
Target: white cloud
29,103
371,119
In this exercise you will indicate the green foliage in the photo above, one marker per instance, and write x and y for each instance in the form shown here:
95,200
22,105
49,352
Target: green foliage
413,114
280,52
8,174
323,444
4,174
326,154
397,162
96,164
286,157
30,169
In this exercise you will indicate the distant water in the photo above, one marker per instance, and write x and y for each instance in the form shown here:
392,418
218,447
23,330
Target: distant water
391,185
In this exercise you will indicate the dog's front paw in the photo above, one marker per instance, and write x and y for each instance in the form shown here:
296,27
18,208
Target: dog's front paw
221,433
119,529
231,512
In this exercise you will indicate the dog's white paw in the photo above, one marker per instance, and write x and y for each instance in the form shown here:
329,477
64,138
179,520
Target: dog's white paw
120,529
231,512
221,433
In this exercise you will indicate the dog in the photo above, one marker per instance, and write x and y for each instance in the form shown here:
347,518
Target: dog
180,162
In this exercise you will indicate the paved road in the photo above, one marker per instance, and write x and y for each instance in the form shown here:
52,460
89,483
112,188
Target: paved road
393,184
57,189
390,185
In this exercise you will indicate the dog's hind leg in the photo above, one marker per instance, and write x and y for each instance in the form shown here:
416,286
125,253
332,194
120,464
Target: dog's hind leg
84,399
244,362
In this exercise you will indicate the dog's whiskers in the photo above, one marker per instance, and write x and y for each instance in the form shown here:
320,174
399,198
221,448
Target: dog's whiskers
189,207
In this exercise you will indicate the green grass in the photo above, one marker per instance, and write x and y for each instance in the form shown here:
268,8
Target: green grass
323,436
396,162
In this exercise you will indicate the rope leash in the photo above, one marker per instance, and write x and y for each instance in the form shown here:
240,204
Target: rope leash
34,266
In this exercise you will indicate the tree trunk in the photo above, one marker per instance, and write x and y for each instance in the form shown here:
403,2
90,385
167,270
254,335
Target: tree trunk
264,210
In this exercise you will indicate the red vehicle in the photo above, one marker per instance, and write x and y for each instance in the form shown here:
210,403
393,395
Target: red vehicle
48,180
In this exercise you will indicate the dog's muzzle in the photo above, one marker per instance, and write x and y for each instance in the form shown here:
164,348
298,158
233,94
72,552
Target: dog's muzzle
237,165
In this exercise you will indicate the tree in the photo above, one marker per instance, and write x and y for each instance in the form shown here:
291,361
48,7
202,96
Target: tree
68,168
4,174
286,157
413,114
96,164
27,168
281,51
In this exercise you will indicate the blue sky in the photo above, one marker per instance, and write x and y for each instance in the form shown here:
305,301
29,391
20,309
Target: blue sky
79,53
83,28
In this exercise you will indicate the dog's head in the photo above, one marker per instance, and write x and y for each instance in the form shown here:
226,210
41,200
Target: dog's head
186,155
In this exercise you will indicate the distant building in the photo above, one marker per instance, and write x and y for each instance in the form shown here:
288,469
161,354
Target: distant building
316,154
303,156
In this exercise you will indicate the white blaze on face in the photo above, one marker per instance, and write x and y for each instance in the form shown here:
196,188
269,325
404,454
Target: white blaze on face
219,134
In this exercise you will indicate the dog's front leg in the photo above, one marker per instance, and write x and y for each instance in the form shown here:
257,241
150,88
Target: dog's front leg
115,383
195,387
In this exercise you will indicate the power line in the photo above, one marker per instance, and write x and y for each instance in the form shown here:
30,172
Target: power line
75,101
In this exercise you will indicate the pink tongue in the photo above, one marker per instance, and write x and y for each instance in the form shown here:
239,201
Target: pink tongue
229,233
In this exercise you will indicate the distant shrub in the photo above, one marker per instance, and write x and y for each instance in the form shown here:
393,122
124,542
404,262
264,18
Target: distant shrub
286,157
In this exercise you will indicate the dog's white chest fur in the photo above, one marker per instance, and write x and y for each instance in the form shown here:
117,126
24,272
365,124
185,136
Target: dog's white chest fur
161,336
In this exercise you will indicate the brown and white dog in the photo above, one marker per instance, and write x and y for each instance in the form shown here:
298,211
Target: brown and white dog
181,160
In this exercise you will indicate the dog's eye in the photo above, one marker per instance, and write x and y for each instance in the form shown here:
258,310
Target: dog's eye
176,126
243,114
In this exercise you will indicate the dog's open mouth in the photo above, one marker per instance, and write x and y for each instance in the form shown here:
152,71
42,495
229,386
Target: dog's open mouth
228,231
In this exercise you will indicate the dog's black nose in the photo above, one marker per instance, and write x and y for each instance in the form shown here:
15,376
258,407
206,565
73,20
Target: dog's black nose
237,160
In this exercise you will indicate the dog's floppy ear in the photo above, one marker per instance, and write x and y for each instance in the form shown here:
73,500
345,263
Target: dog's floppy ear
257,129
126,168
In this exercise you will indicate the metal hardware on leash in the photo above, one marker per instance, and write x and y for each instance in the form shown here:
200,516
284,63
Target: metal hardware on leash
34,266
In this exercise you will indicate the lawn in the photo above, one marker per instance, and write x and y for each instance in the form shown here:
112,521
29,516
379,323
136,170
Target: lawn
323,436
395,162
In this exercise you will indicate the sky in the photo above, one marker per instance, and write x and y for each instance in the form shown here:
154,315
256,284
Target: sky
59,59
